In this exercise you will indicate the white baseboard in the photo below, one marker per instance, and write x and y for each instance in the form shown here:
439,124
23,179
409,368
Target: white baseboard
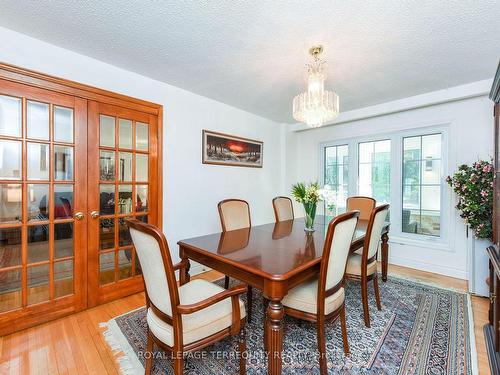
428,267
197,268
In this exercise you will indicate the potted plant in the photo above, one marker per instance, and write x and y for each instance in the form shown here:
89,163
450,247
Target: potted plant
473,185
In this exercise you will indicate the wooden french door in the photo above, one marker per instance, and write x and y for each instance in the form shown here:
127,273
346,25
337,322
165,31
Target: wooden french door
43,204
122,184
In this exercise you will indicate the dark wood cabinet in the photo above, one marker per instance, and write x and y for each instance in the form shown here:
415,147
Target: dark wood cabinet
492,328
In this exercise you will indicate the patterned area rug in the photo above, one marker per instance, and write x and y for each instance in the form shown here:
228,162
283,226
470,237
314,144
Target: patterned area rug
421,329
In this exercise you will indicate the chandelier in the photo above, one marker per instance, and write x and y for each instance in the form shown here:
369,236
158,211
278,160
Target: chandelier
316,106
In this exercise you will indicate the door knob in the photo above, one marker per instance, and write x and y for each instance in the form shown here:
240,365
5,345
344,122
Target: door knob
79,216
94,214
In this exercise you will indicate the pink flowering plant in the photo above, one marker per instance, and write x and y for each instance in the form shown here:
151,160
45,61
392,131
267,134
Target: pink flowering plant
474,187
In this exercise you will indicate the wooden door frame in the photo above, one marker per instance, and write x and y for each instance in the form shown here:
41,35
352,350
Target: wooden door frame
83,93
61,85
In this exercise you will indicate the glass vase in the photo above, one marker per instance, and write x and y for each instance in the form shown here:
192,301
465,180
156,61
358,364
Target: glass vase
310,214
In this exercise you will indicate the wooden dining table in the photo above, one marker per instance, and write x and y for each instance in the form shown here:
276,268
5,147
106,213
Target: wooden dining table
273,258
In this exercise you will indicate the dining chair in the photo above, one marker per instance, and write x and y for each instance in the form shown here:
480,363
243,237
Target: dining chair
362,266
283,208
328,288
235,214
364,205
188,317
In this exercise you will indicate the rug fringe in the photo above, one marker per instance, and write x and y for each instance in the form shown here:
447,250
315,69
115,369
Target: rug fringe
127,363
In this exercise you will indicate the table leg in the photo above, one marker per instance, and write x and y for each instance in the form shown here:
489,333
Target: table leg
274,336
184,277
385,255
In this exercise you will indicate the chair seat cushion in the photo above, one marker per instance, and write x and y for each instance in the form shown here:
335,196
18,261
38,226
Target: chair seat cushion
200,324
354,265
304,298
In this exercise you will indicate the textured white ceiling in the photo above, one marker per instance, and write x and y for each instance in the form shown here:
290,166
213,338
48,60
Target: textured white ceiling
251,54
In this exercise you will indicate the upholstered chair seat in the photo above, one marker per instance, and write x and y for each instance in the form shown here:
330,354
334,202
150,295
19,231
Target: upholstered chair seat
304,297
234,214
354,265
322,298
186,317
200,324
362,264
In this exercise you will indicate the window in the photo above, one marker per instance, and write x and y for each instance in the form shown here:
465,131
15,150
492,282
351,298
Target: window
403,169
337,173
374,170
422,184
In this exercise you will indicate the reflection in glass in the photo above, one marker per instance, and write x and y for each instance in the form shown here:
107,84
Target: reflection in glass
10,290
38,202
63,201
106,268
125,264
63,278
38,161
141,167
106,234
10,116
38,120
38,243
141,136
125,160
125,130
107,166
10,247
63,124
107,131
143,218
142,198
123,233
38,284
63,240
107,199
10,203
124,199
63,163
10,160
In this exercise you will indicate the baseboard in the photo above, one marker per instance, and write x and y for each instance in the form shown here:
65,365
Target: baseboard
428,267
197,268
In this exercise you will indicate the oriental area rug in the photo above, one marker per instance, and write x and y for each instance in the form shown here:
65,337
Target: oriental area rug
422,329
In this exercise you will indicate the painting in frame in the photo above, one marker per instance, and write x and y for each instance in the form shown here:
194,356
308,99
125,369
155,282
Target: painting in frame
225,149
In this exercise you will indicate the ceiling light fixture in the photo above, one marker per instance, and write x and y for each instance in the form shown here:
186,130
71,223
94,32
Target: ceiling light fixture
316,106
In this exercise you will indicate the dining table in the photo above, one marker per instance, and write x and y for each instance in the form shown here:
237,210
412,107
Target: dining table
273,258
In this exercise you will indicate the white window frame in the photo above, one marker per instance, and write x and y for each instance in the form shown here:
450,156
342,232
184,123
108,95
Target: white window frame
441,242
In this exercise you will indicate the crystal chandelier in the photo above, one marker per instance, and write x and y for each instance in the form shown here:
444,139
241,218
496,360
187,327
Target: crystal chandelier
316,106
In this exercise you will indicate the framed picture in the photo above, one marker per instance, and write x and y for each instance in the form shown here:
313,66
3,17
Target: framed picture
225,149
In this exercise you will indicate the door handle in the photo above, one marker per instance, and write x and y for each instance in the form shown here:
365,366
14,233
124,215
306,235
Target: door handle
79,216
94,214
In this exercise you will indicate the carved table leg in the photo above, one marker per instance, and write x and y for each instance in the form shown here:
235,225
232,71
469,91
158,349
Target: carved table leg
385,255
184,276
274,336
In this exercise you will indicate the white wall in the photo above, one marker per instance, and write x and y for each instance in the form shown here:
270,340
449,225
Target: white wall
470,138
191,189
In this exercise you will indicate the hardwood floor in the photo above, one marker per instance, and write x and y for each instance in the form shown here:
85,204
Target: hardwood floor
75,345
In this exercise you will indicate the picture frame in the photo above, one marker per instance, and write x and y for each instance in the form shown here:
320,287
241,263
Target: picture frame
231,150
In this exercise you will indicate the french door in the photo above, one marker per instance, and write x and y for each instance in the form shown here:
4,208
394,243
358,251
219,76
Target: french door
43,200
75,163
122,172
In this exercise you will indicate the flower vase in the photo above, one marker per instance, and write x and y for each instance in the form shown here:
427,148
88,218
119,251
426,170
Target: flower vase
310,214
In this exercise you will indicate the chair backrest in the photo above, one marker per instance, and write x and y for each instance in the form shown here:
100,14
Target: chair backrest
157,270
336,249
374,231
364,205
234,214
283,208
